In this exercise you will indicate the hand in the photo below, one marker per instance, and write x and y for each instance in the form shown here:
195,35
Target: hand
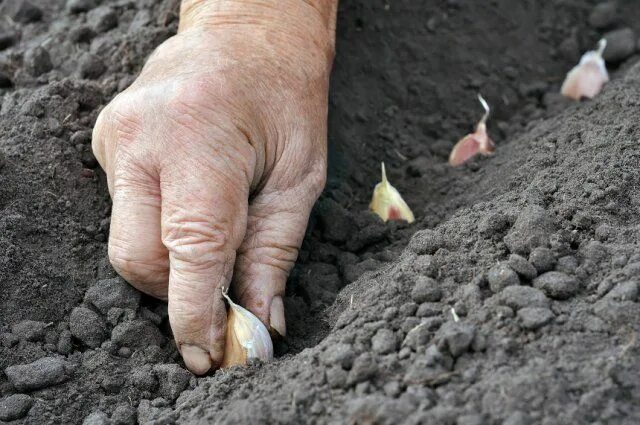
214,158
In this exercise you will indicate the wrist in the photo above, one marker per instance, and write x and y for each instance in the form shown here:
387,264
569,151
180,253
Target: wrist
311,19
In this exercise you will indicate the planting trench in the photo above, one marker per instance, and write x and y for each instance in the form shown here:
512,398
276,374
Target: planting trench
535,248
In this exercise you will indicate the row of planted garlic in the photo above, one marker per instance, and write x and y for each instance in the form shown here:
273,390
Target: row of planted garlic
247,337
585,80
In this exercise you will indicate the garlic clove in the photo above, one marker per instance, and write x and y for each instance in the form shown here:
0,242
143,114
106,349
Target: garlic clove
247,337
388,203
475,143
588,77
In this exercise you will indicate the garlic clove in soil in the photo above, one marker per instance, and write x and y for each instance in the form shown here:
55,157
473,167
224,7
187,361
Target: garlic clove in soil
247,337
588,77
388,203
475,143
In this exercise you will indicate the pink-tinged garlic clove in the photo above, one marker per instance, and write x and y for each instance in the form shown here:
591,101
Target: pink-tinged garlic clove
388,203
588,77
475,143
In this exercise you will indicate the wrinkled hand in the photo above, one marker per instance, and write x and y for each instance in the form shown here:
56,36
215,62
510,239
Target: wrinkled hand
214,158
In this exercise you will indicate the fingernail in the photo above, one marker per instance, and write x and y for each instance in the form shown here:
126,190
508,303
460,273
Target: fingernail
276,316
196,359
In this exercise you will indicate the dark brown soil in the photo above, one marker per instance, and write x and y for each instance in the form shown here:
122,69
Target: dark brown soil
534,248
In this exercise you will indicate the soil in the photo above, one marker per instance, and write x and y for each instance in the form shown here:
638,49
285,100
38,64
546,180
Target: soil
513,298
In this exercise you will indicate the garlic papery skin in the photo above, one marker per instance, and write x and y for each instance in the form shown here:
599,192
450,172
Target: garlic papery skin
388,203
247,337
588,77
475,143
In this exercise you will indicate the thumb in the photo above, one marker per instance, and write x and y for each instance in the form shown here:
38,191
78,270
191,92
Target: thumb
275,229
203,222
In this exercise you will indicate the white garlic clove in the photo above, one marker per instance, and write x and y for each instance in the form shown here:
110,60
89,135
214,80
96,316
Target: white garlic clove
588,77
475,143
388,203
247,337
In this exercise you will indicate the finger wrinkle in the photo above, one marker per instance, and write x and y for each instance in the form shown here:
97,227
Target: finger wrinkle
193,238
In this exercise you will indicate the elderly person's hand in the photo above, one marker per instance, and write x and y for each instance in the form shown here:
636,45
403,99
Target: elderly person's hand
214,158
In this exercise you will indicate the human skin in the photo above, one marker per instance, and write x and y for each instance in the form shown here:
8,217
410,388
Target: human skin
214,158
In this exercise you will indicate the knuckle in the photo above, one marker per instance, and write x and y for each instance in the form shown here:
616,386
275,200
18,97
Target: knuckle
134,267
315,180
119,119
196,241
277,256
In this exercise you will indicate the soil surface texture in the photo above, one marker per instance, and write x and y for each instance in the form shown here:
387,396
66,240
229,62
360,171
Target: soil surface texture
513,299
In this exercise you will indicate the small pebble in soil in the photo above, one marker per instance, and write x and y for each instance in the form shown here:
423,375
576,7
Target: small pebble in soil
29,330
173,380
632,269
493,224
408,309
141,20
500,276
82,34
338,354
617,313
112,384
534,317
364,368
41,373
567,264
621,44
124,414
557,285
426,241
21,11
64,345
518,297
521,266
14,407
604,15
425,290
384,341
8,340
96,418
102,19
77,6
425,265
427,368
418,336
91,67
337,377
429,309
7,39
392,388
117,315
137,334
37,61
144,379
390,313
455,337
114,292
624,291
532,229
542,259
87,326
